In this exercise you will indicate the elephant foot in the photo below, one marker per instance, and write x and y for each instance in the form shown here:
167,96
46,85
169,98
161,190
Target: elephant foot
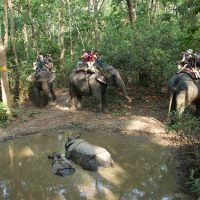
53,103
54,98
106,110
79,105
73,108
128,98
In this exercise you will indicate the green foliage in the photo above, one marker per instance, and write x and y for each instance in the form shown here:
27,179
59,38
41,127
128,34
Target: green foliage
3,115
152,53
194,182
117,113
75,125
187,126
149,49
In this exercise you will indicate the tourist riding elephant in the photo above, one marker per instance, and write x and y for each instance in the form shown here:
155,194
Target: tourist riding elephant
42,82
88,156
183,91
84,84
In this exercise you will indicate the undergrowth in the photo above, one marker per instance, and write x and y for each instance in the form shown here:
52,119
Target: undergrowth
3,115
188,127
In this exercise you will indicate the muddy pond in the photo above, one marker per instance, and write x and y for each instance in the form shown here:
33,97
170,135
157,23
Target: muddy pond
142,170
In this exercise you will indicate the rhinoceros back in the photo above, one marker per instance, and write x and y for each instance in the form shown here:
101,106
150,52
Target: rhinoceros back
89,156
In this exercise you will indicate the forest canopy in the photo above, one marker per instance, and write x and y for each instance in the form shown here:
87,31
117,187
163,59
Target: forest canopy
142,38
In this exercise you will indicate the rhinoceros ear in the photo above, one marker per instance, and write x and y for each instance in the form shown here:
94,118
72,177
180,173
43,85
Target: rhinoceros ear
78,136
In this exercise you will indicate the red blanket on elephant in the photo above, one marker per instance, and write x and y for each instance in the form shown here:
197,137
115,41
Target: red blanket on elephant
190,72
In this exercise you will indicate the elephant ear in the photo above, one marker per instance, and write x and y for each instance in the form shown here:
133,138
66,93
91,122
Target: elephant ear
52,76
31,78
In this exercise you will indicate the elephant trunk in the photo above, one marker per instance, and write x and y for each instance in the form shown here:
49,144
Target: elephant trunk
45,90
120,83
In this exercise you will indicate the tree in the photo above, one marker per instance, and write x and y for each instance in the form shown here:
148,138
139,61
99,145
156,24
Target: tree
4,78
32,26
132,10
3,64
16,90
62,43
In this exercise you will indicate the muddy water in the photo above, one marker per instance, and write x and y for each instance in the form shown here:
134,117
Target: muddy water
142,170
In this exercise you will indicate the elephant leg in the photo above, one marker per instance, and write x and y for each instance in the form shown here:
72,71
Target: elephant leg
104,102
73,97
73,103
36,97
79,99
51,88
197,107
180,102
98,96
173,106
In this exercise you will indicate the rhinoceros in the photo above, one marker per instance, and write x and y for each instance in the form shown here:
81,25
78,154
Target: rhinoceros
60,166
88,156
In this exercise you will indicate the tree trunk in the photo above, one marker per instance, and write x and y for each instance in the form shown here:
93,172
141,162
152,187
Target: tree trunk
90,31
96,24
62,44
16,70
79,33
5,21
132,10
70,31
32,26
4,78
24,29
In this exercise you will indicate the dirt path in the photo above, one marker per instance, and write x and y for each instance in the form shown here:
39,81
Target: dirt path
144,116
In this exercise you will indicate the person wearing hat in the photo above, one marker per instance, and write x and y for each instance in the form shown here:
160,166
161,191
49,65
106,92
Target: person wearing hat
188,61
82,59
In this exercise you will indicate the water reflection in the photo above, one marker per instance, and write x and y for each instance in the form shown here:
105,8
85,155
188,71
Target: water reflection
141,170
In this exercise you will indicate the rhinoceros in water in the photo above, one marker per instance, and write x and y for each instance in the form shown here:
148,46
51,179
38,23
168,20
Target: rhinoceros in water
60,166
88,156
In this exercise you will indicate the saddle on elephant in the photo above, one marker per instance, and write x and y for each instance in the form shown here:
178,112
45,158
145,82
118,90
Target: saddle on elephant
89,68
47,75
192,72
94,69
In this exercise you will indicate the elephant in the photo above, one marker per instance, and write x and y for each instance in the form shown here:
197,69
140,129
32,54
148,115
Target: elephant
42,82
183,90
85,84
60,166
88,156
